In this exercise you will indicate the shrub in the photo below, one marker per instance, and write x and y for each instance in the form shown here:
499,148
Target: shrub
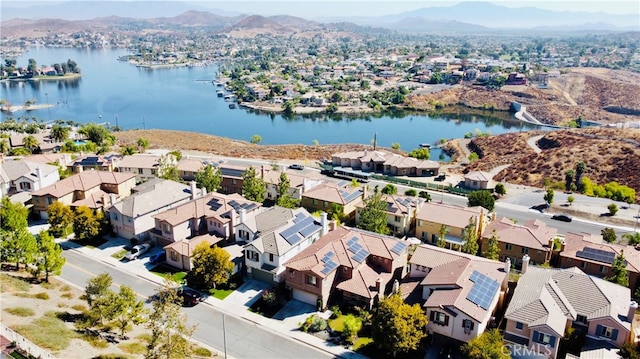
313,324
270,298
202,352
411,192
41,295
20,311
613,209
336,311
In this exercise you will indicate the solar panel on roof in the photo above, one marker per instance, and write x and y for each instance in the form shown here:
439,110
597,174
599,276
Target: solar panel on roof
483,290
596,255
331,265
352,241
398,248
327,257
293,239
360,255
299,217
354,248
288,232
474,276
308,230
325,271
351,196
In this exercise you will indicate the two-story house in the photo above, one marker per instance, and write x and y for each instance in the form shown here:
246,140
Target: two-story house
461,292
94,189
97,163
211,218
533,237
188,167
433,216
547,302
329,197
26,176
298,183
276,235
145,167
347,265
401,212
132,217
231,178
594,256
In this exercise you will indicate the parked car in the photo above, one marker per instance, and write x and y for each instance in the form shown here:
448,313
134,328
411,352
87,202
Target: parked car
158,257
137,251
189,296
296,166
561,217
441,177
446,352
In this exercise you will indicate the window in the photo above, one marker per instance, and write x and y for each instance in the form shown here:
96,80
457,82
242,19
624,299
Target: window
524,250
603,269
467,325
607,332
439,318
325,204
115,216
583,265
543,338
314,201
140,171
50,200
311,280
397,218
25,185
519,325
233,181
292,273
154,172
270,257
419,224
166,228
252,256
508,246
173,255
581,319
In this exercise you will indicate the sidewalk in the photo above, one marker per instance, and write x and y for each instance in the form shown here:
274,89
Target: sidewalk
236,304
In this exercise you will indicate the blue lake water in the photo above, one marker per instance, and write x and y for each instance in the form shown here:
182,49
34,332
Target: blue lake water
185,99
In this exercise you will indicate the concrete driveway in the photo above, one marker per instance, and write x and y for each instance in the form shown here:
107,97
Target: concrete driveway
294,312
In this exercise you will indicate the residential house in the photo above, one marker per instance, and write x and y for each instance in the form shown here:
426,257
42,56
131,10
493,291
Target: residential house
533,238
231,177
594,256
478,180
515,78
132,217
342,198
46,144
188,167
547,302
433,216
211,219
401,212
461,292
98,163
145,167
347,265
298,183
274,236
94,189
26,176
385,162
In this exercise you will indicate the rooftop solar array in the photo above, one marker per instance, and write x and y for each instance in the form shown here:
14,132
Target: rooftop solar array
327,257
398,248
405,201
483,291
88,161
303,226
596,255
246,205
329,267
359,252
348,197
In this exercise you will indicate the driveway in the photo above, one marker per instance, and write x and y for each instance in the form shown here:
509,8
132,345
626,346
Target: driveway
248,293
294,312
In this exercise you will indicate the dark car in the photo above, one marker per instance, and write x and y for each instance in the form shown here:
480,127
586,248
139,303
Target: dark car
189,296
561,217
446,352
158,257
441,177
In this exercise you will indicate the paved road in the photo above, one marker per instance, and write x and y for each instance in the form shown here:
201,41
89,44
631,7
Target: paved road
244,339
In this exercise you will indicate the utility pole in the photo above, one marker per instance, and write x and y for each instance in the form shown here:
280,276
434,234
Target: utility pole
46,94
224,337
144,127
117,122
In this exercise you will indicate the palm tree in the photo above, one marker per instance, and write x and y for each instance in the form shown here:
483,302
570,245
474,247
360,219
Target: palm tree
4,146
30,143
59,133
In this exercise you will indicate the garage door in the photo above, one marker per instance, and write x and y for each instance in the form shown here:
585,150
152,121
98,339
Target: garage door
262,276
305,297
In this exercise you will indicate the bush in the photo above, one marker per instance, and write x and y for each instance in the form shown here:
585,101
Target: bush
270,298
20,311
411,192
313,324
613,209
41,295
336,311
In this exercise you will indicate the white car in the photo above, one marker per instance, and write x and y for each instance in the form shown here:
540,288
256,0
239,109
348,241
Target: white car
296,166
137,250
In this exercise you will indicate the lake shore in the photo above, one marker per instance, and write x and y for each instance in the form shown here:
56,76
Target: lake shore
303,110
16,108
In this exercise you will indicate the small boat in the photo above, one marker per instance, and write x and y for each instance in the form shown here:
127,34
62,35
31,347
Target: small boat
232,105
425,145
220,93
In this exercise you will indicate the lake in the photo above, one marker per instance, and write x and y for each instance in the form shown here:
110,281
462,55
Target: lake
185,99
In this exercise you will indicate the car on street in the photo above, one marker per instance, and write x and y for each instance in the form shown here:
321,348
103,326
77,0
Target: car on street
137,251
158,257
441,177
296,166
189,296
561,217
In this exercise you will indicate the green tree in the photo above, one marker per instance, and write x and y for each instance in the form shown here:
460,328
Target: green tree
97,288
256,139
49,259
127,150
389,189
168,168
619,271
421,153
168,325
473,157
289,107
489,345
352,326
97,134
548,196
176,154
86,223
632,238
483,199
571,199
580,168
30,143
210,178
253,187
609,235
373,217
282,191
568,180
613,209
60,218
425,195
501,189
143,144
493,250
13,215
442,233
470,238
212,266
395,146
59,133
18,246
630,351
412,192
125,309
397,327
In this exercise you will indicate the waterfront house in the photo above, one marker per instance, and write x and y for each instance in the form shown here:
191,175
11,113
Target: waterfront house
274,236
346,265
547,302
385,162
533,237
461,292
339,198
231,178
433,216
94,189
401,212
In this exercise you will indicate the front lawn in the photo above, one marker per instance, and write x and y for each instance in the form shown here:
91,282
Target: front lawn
166,271
220,293
120,254
268,305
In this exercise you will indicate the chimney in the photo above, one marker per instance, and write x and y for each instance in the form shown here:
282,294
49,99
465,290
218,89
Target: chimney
262,171
633,306
204,191
194,188
79,169
325,224
243,215
525,263
364,192
507,265
39,174
378,280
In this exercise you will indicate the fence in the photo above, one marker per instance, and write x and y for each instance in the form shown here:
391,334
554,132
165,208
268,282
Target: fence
432,186
24,344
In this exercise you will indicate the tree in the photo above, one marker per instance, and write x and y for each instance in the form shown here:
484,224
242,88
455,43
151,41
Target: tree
425,195
412,192
609,235
389,189
13,215
86,224
619,271
97,287
168,168
210,178
442,233
352,326
489,345
125,309
580,168
493,250
97,134
143,144
127,150
483,199
470,238
18,246
630,351
501,189
373,217
571,199
632,238
212,266
60,217
253,187
397,327
548,196
613,209
421,153
49,257
568,180
284,199
256,139
59,133
30,143
168,325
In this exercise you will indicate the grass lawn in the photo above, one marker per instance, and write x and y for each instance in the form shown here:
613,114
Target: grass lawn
20,311
9,283
220,293
48,332
167,271
120,254
337,324
362,342
133,348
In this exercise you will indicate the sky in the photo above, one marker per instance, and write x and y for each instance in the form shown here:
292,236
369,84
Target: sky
318,9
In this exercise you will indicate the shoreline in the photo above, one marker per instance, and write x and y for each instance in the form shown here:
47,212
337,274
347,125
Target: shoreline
15,108
45,78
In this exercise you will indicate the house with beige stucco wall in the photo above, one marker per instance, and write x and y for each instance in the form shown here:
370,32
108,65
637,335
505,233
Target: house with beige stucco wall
433,216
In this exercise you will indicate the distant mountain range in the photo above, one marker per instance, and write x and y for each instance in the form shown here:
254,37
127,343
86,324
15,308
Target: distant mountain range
465,17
